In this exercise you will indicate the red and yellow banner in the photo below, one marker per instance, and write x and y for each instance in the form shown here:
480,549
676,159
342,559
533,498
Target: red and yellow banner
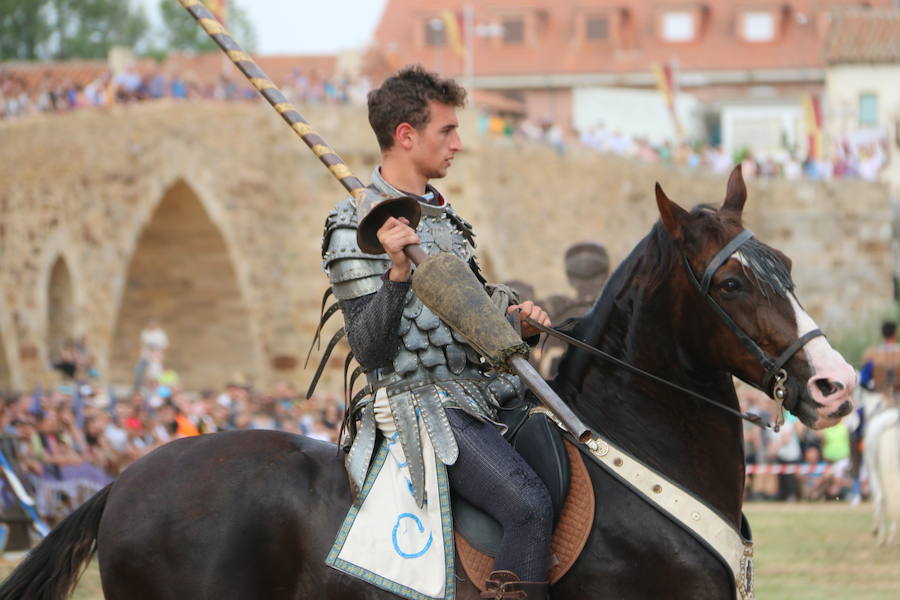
453,33
812,122
219,9
665,82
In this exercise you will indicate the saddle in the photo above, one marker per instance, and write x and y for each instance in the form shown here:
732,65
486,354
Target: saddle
559,465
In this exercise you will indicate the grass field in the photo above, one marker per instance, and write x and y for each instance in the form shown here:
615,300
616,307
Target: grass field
820,551
802,552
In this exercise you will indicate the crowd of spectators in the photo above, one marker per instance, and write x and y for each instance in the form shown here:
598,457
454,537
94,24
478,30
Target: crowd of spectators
799,463
310,87
862,157
53,93
68,441
20,96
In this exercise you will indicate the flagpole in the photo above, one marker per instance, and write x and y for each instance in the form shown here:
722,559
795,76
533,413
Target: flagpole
469,27
675,71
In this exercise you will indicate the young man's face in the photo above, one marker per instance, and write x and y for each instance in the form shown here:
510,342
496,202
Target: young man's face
437,142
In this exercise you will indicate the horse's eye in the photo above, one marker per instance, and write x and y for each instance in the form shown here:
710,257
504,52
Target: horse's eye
730,285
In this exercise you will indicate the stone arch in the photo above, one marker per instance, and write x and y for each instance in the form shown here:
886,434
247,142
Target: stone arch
61,308
58,306
182,274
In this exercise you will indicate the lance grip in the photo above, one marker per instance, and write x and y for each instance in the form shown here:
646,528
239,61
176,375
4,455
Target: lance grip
415,253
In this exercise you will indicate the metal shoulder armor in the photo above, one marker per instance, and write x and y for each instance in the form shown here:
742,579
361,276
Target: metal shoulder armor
352,272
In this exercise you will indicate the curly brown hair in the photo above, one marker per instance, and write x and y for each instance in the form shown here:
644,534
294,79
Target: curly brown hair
404,97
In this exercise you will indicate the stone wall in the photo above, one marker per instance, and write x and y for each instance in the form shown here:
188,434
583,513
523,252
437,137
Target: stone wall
207,216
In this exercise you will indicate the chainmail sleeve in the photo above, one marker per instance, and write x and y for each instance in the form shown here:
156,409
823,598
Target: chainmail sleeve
372,323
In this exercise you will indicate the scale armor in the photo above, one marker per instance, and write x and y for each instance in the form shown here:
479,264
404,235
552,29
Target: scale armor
435,368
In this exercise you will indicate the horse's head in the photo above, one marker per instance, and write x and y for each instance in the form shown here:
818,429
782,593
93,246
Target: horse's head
741,312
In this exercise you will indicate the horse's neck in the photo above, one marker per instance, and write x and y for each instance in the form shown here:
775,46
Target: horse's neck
694,444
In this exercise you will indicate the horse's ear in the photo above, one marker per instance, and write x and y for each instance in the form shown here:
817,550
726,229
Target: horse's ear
735,193
673,216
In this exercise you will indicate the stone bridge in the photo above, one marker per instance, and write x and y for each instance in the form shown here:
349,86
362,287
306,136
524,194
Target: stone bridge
207,217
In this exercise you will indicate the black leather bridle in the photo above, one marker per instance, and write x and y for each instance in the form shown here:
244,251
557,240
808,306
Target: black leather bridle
773,382
775,376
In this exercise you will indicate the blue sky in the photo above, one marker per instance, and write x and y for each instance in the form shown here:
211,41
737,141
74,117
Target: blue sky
306,26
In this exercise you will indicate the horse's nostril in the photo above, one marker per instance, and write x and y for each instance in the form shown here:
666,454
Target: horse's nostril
829,386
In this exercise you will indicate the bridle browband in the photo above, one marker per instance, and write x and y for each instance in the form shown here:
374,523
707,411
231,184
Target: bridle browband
773,382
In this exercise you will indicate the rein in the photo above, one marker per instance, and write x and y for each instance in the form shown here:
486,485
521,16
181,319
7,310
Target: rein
755,419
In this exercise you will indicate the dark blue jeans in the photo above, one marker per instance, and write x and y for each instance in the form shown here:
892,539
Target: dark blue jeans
491,475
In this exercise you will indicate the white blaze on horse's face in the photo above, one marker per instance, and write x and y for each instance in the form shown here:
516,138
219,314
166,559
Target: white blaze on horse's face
833,379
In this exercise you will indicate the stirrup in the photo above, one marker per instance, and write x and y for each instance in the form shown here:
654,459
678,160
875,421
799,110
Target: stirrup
500,585
506,585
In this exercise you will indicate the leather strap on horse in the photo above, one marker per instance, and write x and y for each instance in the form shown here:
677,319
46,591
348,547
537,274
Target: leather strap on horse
752,418
720,257
775,376
733,547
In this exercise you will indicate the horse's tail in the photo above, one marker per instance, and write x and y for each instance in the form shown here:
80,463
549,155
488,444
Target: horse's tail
51,570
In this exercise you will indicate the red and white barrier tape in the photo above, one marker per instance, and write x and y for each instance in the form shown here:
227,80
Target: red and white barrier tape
801,469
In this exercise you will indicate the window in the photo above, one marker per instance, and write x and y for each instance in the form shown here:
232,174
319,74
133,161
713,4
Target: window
597,28
513,31
868,109
678,26
435,32
758,27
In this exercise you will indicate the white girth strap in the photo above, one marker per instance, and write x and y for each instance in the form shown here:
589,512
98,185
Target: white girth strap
682,506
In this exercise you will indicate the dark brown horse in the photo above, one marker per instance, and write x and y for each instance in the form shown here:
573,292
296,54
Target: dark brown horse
252,514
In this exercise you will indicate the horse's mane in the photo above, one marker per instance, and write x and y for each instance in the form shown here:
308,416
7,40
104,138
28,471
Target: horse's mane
651,259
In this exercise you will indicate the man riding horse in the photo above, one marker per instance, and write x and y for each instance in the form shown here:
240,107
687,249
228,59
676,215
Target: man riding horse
882,364
411,356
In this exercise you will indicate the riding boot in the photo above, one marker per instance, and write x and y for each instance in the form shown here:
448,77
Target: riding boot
505,585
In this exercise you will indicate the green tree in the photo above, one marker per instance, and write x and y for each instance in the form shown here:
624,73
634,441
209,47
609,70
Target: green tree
23,29
60,29
181,33
89,28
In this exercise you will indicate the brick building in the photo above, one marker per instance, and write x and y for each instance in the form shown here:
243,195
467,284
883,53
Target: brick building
863,92
743,68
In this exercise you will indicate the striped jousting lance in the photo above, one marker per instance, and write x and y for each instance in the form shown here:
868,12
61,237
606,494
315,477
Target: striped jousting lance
373,206
276,98
373,209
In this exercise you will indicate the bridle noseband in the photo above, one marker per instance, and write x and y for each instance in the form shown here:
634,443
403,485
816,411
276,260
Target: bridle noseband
775,377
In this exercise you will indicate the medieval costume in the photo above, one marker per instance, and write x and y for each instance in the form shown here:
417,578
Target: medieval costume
418,368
